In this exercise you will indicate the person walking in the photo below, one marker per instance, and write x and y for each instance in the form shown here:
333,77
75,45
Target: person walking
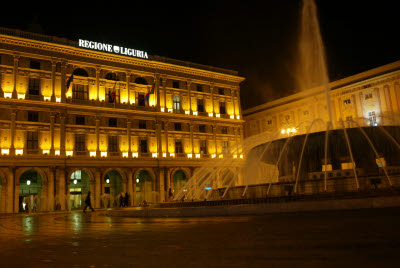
88,203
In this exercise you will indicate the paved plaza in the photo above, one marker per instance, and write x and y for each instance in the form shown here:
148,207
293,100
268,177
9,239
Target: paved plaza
359,238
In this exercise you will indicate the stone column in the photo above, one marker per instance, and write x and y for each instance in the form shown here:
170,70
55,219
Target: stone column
238,101
191,137
52,117
61,188
128,133
97,137
162,188
15,78
215,139
189,86
10,191
212,97
63,81
128,91
164,81
53,80
97,188
12,132
98,69
134,191
159,140
62,135
50,190
157,90
130,186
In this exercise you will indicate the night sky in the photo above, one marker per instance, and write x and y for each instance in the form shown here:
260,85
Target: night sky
256,38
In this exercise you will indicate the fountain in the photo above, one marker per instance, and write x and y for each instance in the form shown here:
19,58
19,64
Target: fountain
329,157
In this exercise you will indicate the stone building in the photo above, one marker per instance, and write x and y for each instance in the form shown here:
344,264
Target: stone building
75,117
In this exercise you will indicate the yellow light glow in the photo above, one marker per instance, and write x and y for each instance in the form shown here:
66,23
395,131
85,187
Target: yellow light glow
135,155
58,99
164,155
197,155
69,153
125,154
241,156
154,155
221,156
5,151
162,109
210,114
21,96
234,156
46,151
195,113
103,154
47,98
19,151
7,95
187,112
170,110
232,116
189,155
172,154
217,115
57,152
238,117
213,155
92,154
283,131
293,130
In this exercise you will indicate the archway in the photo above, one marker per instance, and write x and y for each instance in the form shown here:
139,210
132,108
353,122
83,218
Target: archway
80,72
141,81
30,191
79,186
113,188
180,178
144,187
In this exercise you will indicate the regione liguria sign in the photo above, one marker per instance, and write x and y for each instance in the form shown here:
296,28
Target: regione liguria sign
113,49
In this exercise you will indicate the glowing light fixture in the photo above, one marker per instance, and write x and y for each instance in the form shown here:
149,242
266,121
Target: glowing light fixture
5,151
197,155
21,96
75,181
19,151
46,151
213,155
164,155
57,152
58,99
283,131
210,114
137,180
103,154
154,155
8,95
189,155
195,113
47,98
162,109
28,182
125,154
217,115
135,155
170,110
187,112
92,154
107,181
172,154
238,117
241,156
235,156
221,156
69,153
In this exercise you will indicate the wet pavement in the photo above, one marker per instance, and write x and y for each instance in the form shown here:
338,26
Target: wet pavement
360,238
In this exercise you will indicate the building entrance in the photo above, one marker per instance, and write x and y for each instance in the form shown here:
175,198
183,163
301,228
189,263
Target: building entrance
113,188
79,186
30,191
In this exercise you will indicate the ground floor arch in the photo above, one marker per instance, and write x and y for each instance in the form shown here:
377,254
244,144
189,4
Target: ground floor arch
145,187
113,187
31,194
179,179
79,186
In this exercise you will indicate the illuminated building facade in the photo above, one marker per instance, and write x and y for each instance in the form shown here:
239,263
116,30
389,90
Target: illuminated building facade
74,120
370,98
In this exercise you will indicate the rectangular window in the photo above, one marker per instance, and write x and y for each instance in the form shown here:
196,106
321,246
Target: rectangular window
222,108
203,146
175,84
79,92
368,96
178,147
34,86
224,147
199,88
143,146
112,122
202,128
33,116
32,144
224,130
80,144
113,144
177,103
113,95
34,64
200,105
221,91
348,101
79,120
269,122
142,124
178,127
372,118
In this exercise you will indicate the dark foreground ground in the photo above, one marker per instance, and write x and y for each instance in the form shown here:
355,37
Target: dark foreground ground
360,238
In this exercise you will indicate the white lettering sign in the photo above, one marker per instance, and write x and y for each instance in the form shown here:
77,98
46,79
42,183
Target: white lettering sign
113,49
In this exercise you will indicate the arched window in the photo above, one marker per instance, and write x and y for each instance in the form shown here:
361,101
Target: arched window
112,76
81,72
141,80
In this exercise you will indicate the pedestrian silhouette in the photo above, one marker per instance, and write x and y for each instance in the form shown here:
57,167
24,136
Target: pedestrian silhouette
88,203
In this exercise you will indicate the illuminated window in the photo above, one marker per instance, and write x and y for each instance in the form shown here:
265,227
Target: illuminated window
372,118
177,103
269,122
224,146
348,101
222,108
368,96
203,146
34,86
